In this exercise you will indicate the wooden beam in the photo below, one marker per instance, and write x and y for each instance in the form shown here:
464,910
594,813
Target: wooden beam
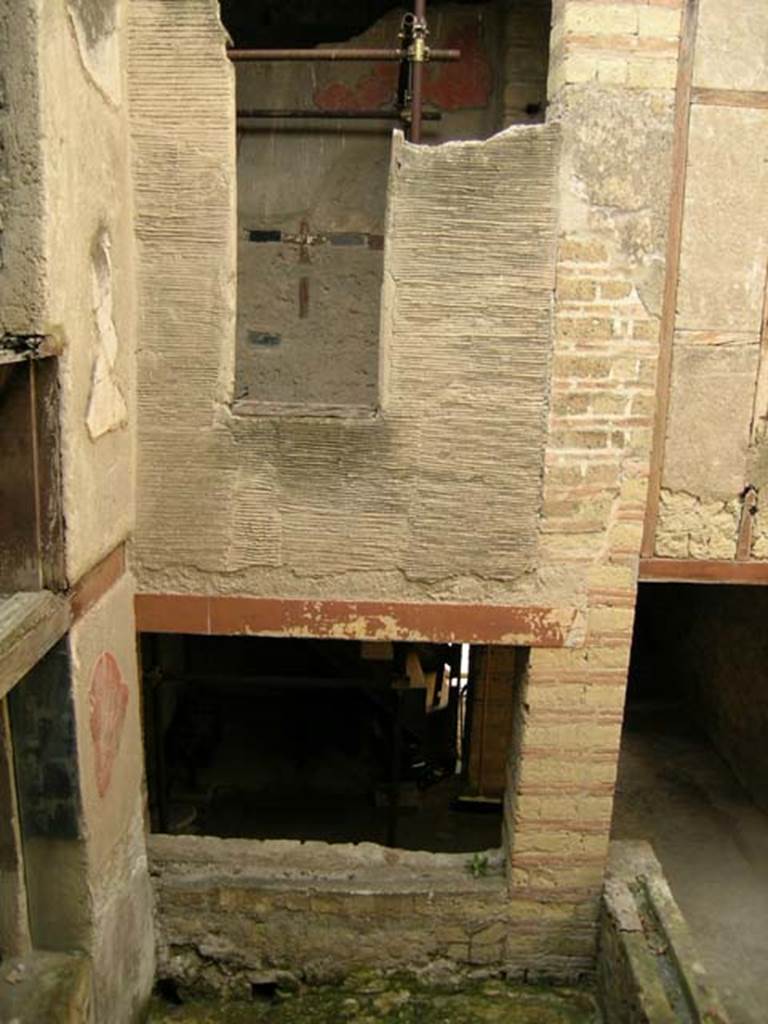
674,247
527,626
760,405
30,624
91,587
746,525
692,570
730,98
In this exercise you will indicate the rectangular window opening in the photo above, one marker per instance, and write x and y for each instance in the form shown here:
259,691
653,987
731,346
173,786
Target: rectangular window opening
404,745
312,190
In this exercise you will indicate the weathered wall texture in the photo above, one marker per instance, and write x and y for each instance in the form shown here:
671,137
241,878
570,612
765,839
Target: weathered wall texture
68,254
88,244
611,87
439,497
649,971
234,912
106,696
436,497
715,442
527,25
78,759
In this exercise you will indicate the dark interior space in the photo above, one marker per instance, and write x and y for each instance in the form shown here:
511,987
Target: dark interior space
702,652
31,525
295,23
301,739
693,771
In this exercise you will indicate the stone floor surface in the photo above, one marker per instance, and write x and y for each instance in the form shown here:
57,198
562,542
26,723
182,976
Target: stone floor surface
712,841
395,1002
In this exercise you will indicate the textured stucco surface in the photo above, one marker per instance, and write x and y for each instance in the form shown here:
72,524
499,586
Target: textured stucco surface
725,236
436,497
121,942
88,199
732,46
712,450
710,416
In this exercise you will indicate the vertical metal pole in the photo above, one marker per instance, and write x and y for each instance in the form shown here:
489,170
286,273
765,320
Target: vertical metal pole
417,81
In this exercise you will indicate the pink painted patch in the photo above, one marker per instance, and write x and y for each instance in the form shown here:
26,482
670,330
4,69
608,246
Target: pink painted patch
108,699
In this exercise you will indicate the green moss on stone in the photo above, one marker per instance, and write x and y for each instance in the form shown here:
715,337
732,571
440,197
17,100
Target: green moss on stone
373,999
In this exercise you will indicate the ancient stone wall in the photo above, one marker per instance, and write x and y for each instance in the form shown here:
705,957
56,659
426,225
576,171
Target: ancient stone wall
89,252
612,89
438,495
715,448
460,490
234,912
69,272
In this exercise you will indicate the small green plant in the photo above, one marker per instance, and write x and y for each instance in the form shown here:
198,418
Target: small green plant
478,865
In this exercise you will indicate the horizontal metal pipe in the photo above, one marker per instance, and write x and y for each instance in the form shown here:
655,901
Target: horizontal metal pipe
340,55
337,115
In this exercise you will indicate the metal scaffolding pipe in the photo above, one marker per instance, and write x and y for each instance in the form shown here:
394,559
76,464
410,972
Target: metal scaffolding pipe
418,52
239,56
337,115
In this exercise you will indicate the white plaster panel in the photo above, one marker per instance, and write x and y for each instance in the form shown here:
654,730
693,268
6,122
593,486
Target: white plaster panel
732,45
725,232
709,419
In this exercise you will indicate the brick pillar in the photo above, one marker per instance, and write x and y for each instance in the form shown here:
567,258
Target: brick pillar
611,87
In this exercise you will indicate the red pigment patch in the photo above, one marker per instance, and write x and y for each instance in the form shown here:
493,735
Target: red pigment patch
108,699
376,89
465,85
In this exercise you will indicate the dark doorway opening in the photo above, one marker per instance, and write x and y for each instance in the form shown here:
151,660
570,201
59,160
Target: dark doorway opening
693,772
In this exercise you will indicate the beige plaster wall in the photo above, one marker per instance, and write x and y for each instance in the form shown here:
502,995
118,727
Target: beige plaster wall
469,486
70,271
716,426
110,748
88,245
438,496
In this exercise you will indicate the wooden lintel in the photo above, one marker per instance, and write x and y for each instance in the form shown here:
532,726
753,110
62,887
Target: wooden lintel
30,624
217,615
96,582
730,98
693,570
